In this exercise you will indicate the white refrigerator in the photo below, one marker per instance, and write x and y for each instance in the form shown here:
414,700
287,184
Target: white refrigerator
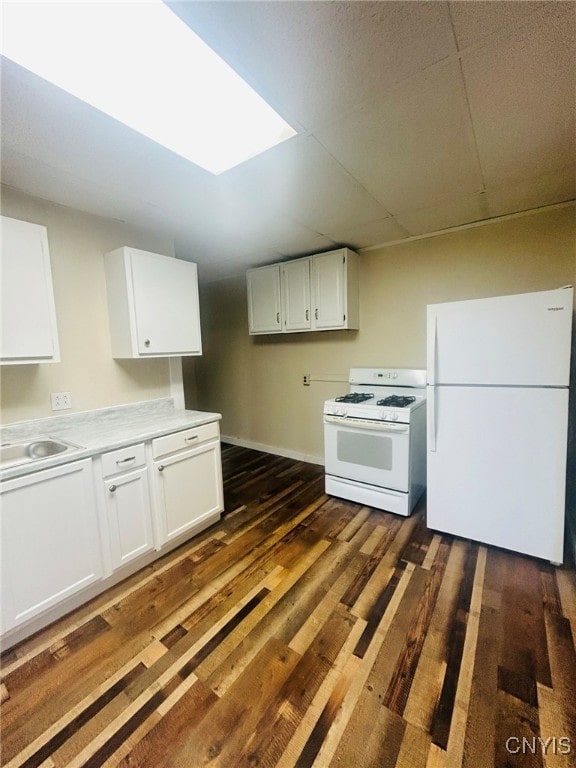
497,405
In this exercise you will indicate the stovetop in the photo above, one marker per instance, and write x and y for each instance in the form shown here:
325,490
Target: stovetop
355,397
380,394
397,401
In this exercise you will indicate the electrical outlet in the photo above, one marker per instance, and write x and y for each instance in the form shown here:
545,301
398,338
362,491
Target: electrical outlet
61,401
306,379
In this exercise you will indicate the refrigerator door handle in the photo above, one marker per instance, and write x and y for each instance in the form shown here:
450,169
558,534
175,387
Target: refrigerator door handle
432,343
431,412
431,395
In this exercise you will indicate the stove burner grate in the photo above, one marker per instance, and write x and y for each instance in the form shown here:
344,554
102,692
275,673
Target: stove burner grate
397,401
354,397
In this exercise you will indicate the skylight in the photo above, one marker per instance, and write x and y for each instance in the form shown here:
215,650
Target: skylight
138,62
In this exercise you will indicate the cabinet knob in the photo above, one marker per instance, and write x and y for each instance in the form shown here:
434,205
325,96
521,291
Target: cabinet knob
112,488
161,468
316,313
146,342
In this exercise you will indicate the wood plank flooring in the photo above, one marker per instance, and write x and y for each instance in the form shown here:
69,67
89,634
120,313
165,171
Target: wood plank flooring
303,630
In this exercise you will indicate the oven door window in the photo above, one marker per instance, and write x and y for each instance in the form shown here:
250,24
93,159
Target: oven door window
368,456
368,450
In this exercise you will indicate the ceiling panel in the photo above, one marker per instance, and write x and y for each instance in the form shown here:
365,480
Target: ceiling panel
524,195
522,98
408,146
475,21
413,117
315,60
382,231
299,179
463,209
43,122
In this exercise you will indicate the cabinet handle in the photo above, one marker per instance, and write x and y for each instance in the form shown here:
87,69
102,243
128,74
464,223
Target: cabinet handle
277,317
146,342
125,461
188,439
112,488
161,468
316,313
307,315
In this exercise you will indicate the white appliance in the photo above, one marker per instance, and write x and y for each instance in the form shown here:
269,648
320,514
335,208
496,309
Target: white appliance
498,374
375,439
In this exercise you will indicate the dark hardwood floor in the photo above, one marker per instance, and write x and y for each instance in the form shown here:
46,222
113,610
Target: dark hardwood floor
302,631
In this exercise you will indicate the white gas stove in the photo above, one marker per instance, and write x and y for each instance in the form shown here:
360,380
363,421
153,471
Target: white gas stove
375,439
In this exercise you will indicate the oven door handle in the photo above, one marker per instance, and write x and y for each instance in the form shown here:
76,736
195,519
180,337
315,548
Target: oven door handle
361,424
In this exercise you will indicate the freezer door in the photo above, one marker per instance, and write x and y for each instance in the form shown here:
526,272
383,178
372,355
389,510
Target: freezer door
509,340
498,471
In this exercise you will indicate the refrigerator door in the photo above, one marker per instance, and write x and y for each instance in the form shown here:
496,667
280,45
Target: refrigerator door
509,340
498,471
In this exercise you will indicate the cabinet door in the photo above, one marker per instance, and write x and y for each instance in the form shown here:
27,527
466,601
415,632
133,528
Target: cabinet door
129,518
264,299
296,295
165,304
188,489
50,539
329,290
28,320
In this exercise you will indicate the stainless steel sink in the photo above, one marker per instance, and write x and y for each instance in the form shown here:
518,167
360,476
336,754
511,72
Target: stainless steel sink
26,451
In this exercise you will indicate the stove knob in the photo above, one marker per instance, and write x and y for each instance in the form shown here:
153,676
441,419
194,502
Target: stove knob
394,416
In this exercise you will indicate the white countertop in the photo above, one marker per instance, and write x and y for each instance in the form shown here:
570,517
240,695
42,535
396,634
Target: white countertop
101,430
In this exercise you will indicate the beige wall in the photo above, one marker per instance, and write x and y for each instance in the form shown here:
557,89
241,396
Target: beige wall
77,243
256,382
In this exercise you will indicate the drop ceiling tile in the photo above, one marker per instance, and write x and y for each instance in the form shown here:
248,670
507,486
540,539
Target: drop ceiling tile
36,178
304,182
522,98
45,123
555,187
476,21
373,233
315,60
450,213
413,145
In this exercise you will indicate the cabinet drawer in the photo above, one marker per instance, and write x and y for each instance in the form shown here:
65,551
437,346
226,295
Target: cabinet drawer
123,459
188,438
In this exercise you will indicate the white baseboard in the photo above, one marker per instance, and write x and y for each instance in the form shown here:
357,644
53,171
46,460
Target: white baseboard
275,450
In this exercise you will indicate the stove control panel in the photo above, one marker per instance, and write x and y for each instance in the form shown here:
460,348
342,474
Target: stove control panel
399,377
369,413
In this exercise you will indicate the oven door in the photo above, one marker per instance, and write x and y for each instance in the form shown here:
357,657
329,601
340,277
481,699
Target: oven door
377,453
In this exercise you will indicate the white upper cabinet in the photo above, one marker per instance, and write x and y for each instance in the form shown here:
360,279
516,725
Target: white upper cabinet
264,299
296,308
334,283
315,293
28,331
152,304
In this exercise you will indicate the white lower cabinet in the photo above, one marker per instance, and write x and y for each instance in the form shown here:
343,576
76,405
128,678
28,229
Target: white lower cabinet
51,544
187,480
80,527
127,500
